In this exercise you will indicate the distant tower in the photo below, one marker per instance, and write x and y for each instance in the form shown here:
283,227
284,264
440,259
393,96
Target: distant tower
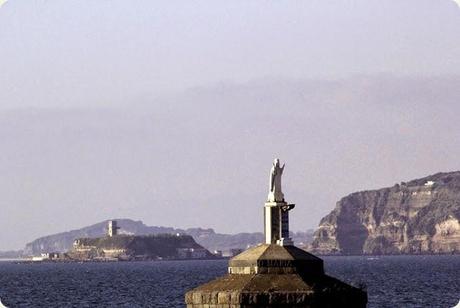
276,211
112,229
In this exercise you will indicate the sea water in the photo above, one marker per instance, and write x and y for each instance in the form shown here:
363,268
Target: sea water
391,281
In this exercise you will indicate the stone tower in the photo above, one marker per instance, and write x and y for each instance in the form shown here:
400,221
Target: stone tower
276,273
112,228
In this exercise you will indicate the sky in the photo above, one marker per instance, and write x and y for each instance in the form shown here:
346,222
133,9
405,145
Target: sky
171,112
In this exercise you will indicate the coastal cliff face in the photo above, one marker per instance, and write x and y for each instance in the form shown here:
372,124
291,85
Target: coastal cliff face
421,216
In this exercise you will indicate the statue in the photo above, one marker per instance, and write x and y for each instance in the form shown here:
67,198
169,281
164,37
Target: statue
275,194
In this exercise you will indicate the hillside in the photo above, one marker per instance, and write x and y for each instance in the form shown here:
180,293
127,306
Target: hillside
420,216
62,242
207,238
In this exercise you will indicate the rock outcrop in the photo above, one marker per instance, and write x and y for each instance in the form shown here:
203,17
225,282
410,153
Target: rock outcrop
132,247
421,216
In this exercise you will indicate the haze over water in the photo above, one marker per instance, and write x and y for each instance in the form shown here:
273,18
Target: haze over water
171,112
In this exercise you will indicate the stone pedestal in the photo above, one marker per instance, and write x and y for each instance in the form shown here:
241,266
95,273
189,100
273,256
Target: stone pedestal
276,223
271,275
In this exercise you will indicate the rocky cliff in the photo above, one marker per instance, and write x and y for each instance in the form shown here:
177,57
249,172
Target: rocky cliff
421,216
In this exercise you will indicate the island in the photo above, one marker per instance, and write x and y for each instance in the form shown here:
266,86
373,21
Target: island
125,247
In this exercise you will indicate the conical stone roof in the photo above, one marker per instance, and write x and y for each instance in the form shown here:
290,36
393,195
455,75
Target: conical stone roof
270,275
275,259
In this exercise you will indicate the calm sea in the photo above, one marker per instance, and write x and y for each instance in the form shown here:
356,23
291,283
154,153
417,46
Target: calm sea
393,281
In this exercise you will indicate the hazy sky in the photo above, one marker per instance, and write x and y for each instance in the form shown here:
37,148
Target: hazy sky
171,112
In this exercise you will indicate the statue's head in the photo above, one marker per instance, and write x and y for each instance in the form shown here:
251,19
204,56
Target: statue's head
276,162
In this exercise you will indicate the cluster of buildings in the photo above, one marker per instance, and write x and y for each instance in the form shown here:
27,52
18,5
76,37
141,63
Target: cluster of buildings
49,256
191,253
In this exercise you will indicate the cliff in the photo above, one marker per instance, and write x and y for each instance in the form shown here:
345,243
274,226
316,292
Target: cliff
421,216
130,247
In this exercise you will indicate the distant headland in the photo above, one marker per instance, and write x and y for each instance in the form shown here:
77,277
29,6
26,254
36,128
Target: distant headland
417,217
123,247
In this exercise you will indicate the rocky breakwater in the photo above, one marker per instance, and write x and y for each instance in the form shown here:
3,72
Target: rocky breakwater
417,217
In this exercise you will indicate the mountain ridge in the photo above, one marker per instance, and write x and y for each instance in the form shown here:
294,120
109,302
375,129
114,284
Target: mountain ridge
208,238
